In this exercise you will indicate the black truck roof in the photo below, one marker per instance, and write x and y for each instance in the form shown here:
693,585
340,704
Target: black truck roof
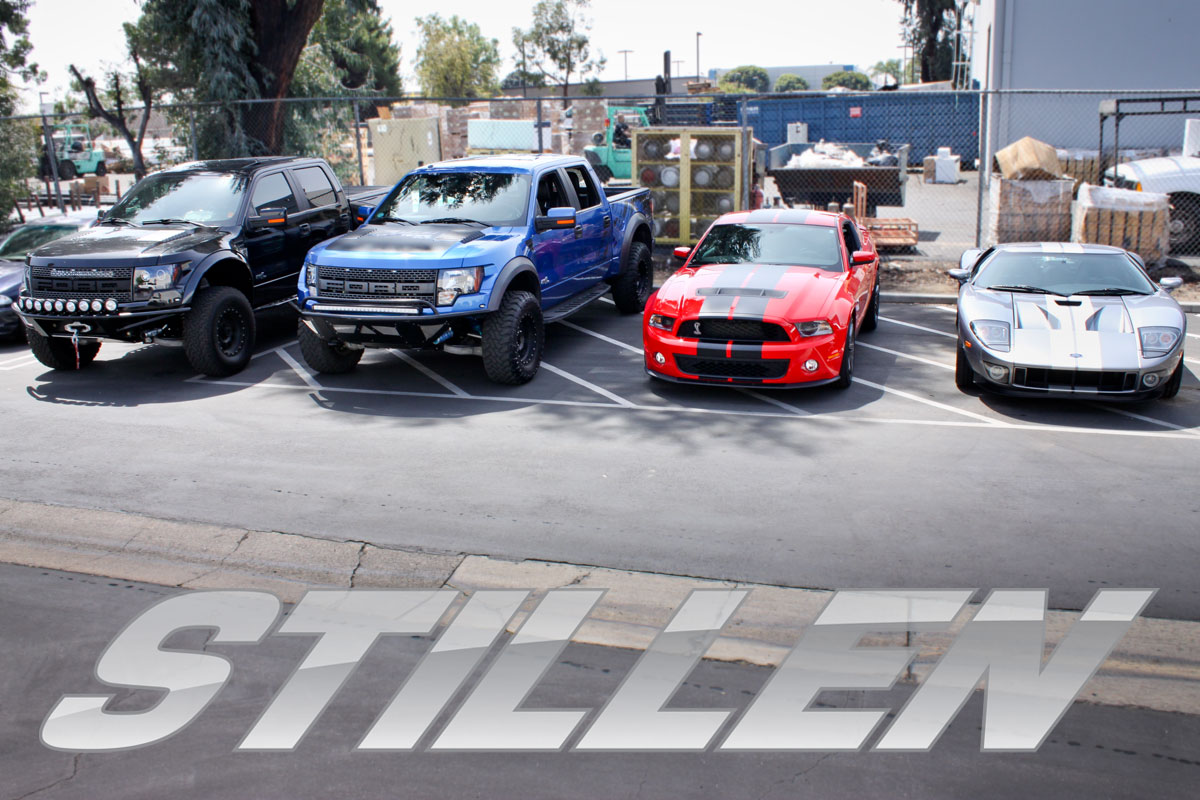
244,166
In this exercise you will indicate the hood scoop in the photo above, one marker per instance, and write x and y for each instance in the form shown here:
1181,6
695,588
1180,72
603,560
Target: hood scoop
735,291
1065,302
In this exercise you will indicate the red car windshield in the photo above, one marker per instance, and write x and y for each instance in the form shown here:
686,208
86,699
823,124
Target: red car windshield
771,243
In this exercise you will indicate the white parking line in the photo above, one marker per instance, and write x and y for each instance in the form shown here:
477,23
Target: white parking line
600,390
17,364
274,349
777,403
428,373
298,368
951,309
918,327
608,300
600,336
19,357
898,354
932,403
1142,418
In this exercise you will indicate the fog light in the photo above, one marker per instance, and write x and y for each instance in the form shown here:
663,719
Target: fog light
110,305
659,358
811,365
1151,379
97,306
70,306
997,372
59,306
37,305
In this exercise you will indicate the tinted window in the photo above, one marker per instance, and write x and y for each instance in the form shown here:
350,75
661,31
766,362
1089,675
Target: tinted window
31,237
551,194
584,189
273,191
316,186
492,198
1063,273
771,243
850,234
209,198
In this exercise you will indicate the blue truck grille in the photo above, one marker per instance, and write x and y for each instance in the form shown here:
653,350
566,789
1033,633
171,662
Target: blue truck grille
362,284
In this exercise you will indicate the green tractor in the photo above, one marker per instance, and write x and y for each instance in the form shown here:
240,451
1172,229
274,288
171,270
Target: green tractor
610,154
75,152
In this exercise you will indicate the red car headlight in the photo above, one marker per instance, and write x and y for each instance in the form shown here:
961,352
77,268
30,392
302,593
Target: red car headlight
662,322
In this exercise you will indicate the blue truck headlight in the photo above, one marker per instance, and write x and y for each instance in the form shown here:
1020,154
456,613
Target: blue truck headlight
1157,341
155,279
310,274
453,282
993,333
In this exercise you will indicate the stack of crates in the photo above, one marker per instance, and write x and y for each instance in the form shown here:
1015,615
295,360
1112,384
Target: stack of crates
694,175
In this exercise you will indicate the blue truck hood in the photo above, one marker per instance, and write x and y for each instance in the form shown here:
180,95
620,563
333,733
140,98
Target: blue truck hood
400,245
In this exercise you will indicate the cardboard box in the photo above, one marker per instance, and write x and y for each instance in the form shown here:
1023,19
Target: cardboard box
1029,210
1136,221
1029,159
930,168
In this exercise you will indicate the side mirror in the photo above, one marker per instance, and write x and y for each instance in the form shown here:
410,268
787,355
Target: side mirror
267,218
556,219
959,275
99,213
598,137
682,253
1171,284
968,258
861,257
361,214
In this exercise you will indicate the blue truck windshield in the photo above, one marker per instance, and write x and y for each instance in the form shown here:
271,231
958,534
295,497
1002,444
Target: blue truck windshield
497,199
204,198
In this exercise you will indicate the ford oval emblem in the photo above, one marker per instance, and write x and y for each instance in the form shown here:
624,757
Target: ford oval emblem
1076,355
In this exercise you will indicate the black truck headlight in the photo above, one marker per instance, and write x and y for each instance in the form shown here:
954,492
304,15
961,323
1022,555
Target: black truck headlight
453,282
155,279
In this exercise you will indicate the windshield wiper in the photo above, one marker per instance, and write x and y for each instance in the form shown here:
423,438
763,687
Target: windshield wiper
116,221
175,221
380,218
1113,290
1021,288
462,220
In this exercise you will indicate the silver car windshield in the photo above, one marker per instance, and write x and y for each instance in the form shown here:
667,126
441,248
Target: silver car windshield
771,243
1062,273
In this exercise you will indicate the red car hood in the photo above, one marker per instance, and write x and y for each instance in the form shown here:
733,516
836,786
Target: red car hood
750,290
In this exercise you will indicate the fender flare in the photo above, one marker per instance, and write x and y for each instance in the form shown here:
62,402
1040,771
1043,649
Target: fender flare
198,272
511,270
631,227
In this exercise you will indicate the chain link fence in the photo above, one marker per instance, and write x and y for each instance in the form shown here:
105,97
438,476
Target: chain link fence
906,162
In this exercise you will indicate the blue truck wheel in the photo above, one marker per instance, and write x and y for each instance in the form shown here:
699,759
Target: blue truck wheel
513,337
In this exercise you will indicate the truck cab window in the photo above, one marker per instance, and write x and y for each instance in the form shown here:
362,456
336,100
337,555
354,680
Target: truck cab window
316,186
273,191
584,189
550,194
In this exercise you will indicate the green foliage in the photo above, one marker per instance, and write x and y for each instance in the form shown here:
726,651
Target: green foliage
929,26
557,43
791,83
20,145
19,139
592,87
353,35
454,59
15,48
519,78
854,81
746,79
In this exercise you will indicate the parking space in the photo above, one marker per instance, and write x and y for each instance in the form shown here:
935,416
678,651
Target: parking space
900,480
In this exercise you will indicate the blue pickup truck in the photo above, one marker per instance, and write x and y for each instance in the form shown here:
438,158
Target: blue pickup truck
474,256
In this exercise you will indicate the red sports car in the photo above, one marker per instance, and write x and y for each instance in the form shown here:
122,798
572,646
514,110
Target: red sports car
771,298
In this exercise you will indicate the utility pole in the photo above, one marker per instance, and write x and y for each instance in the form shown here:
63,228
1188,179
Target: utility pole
698,34
677,62
51,156
626,54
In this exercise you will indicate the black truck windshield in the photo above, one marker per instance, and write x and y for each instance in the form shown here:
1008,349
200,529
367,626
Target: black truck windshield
771,243
497,199
205,198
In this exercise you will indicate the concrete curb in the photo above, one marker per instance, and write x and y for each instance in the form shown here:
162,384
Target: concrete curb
951,299
1156,665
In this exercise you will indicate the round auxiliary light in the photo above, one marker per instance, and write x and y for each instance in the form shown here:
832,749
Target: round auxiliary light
659,358
1151,380
70,306
37,305
59,306
28,304
996,372
811,365
110,305
97,306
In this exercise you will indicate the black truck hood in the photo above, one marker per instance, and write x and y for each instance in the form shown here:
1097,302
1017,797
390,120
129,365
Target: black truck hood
110,241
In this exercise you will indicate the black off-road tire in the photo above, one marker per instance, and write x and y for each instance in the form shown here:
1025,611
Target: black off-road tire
218,333
323,357
58,353
1171,388
101,169
631,289
513,338
871,320
846,374
964,375
66,170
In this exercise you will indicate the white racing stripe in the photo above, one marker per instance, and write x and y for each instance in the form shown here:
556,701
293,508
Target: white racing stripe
918,327
428,373
600,390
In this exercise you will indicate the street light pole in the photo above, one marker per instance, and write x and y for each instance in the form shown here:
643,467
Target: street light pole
698,34
626,54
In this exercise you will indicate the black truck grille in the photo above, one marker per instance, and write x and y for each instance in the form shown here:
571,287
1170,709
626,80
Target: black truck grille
732,330
59,283
1097,380
362,284
756,369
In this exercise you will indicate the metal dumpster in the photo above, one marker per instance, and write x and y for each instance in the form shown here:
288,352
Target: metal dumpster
819,186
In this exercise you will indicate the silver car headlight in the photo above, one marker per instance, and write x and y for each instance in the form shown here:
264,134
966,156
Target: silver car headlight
1158,341
993,333
453,282
816,327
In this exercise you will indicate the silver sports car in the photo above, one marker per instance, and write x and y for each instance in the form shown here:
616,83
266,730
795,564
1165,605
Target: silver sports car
1067,319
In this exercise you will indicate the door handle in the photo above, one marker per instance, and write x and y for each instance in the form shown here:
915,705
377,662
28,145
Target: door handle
607,222
305,229
578,231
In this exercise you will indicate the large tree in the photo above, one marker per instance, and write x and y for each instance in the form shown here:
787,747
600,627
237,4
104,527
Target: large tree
358,40
746,79
932,28
18,139
789,82
557,43
455,59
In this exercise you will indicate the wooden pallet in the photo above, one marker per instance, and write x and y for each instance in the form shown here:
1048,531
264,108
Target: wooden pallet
885,231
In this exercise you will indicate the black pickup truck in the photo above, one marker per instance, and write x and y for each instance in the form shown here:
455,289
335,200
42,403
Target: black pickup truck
185,258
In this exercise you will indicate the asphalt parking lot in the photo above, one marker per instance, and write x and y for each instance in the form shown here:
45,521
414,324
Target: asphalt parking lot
899,481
